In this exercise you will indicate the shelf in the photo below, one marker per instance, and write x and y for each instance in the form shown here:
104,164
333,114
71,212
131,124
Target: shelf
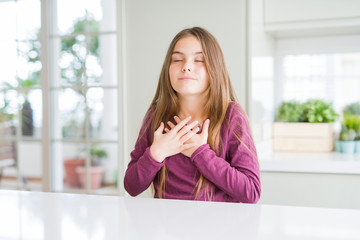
307,162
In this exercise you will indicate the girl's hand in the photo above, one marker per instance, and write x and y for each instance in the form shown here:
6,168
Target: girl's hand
172,141
197,140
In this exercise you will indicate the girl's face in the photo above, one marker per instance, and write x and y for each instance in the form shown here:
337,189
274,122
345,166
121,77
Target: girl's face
188,74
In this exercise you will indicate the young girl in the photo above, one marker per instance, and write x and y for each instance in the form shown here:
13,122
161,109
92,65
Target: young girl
195,141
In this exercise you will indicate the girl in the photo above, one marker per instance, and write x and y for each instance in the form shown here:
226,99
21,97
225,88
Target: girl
195,140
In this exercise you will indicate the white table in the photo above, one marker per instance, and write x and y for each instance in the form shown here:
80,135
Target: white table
52,216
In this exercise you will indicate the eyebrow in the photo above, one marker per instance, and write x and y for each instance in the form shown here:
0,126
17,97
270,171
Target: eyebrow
177,52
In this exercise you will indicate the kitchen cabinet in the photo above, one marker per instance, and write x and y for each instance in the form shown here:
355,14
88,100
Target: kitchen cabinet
287,18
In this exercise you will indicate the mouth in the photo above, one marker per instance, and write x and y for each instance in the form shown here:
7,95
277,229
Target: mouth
186,78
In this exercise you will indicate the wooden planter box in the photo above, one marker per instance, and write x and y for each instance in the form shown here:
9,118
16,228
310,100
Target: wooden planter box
303,137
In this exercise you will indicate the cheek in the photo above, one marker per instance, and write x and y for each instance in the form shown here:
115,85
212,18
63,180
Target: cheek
205,75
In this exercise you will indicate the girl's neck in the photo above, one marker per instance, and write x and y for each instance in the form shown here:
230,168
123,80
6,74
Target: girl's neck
192,106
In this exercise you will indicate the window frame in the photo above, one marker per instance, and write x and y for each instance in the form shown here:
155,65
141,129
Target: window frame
50,172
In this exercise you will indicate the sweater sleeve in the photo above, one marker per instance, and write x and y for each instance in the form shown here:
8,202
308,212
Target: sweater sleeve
142,168
239,175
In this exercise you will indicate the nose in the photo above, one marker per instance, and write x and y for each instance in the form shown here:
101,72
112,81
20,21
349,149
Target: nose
187,67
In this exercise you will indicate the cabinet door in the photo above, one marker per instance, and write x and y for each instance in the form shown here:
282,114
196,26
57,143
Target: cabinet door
281,11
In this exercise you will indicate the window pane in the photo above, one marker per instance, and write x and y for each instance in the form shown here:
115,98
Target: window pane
9,107
104,13
101,63
29,65
29,169
103,169
102,104
93,67
8,20
72,156
332,77
72,60
71,112
68,13
31,113
8,50
28,19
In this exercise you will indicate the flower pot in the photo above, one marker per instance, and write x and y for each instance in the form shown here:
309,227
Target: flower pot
357,147
338,146
71,177
96,174
303,137
348,146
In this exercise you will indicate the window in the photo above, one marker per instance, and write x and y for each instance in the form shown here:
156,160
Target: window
20,90
333,77
84,95
83,90
299,69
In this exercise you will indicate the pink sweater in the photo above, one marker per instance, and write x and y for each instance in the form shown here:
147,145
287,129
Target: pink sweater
234,174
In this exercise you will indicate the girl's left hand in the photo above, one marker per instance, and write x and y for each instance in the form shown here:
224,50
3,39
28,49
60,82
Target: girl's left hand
198,139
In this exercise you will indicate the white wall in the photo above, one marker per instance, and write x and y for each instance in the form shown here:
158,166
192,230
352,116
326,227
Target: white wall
262,55
151,25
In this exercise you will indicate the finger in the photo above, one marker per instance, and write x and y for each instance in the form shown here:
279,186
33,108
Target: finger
177,119
171,125
160,129
187,128
189,135
166,130
181,124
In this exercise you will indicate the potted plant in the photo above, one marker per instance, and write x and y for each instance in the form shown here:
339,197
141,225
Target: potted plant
70,166
97,155
304,126
290,112
349,139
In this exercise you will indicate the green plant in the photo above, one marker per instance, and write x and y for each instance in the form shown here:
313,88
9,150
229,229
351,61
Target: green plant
290,111
73,48
318,111
352,123
348,135
6,112
97,155
29,52
352,109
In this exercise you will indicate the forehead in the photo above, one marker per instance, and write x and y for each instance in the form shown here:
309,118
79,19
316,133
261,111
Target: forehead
188,45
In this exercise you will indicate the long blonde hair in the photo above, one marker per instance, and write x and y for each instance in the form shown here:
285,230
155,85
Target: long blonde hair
219,92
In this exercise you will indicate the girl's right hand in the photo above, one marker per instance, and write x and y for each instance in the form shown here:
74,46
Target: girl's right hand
173,141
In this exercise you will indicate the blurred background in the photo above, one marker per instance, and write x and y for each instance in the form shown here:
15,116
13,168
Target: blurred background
76,78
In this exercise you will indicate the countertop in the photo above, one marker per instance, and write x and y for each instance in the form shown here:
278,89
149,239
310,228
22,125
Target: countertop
38,215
